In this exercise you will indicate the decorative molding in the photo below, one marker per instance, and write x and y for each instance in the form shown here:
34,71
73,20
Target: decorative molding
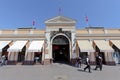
60,19
53,33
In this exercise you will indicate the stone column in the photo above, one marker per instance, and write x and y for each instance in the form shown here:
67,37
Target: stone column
48,52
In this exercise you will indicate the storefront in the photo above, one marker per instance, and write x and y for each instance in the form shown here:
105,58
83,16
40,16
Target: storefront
60,42
104,49
86,49
116,46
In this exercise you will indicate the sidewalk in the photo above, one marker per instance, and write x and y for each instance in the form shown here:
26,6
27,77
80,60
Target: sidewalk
57,71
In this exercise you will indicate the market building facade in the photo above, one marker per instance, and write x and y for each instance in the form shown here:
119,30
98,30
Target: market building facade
61,41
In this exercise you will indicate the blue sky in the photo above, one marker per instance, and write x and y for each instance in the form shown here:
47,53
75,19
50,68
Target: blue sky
21,13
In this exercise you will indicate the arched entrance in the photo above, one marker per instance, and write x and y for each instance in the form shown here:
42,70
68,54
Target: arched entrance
60,49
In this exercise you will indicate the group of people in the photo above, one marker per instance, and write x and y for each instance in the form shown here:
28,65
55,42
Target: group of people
87,63
4,60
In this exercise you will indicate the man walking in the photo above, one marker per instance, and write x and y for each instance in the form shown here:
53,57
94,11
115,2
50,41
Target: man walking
88,65
98,62
78,62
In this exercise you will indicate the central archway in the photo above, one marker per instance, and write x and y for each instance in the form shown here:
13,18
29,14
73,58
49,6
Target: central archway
60,49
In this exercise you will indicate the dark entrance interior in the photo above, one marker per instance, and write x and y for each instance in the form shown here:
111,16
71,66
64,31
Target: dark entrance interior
83,56
60,49
37,57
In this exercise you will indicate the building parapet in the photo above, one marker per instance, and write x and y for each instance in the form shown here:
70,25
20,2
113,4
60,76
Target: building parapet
98,31
21,32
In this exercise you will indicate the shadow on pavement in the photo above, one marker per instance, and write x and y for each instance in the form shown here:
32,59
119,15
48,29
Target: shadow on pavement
83,70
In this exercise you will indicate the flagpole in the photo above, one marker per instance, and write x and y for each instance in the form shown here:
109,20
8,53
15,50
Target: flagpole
33,24
87,25
59,13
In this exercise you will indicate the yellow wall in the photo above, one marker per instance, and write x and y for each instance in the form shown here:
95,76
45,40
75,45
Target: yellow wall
7,32
38,31
113,31
97,31
82,31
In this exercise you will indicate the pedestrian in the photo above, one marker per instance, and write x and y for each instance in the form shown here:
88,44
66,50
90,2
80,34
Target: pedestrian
2,60
87,64
6,60
78,62
98,62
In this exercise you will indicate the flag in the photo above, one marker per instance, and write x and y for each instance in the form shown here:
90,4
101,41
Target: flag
59,11
33,23
86,18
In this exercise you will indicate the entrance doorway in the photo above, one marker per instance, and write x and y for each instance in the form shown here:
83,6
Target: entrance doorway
60,49
21,55
37,57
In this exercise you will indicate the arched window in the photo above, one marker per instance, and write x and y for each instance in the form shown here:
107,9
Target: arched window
60,40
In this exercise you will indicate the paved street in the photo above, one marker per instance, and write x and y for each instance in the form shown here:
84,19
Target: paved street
57,71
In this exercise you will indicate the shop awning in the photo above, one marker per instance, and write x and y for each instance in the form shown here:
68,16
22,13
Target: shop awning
17,46
103,46
116,43
35,46
3,44
85,46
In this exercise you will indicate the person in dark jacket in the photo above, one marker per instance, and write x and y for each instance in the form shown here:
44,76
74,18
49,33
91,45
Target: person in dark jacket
98,62
88,64
78,62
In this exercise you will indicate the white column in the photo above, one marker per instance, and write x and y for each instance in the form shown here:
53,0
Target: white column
48,46
73,46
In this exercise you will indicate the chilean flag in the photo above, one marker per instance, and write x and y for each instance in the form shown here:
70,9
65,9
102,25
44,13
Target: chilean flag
33,23
86,18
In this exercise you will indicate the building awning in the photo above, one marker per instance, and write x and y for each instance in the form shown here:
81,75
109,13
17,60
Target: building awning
85,46
35,46
116,43
17,46
103,46
3,44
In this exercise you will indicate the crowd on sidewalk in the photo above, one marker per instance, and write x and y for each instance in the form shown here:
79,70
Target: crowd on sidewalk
4,61
87,63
